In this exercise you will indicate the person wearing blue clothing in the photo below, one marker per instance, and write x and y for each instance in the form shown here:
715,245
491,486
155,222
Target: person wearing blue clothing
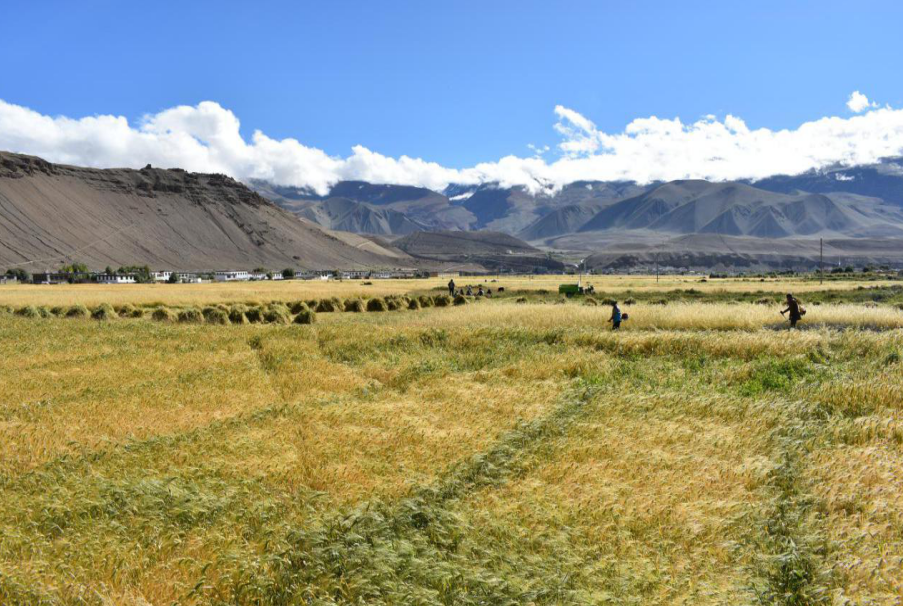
615,316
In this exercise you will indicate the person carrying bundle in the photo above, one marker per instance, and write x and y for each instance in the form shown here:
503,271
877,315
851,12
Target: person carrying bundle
795,309
616,317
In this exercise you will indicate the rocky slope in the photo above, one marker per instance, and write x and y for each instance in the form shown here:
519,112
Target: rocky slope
347,215
565,220
169,219
466,208
422,207
492,250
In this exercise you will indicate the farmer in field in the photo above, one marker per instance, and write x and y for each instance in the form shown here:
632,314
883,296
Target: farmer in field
451,287
793,306
615,318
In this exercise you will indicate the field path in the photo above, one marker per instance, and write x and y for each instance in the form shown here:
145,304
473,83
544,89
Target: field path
792,567
355,556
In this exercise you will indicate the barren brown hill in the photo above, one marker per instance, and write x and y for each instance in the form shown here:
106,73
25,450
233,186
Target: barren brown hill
491,250
438,243
51,214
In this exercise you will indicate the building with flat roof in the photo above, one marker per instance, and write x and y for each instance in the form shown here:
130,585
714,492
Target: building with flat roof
232,276
116,279
63,277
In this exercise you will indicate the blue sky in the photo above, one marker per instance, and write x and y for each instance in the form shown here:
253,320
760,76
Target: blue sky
452,83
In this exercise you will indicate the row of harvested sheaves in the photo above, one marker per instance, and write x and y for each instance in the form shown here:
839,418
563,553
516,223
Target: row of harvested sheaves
299,312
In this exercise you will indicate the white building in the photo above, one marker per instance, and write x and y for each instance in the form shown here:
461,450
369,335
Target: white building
116,279
354,275
389,275
311,274
189,278
232,276
161,276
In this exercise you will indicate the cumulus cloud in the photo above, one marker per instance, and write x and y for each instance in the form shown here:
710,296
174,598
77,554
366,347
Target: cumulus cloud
858,102
206,138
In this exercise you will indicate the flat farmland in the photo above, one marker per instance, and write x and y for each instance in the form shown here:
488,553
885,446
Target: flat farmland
290,290
231,444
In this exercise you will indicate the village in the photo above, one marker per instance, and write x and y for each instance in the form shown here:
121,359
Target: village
142,275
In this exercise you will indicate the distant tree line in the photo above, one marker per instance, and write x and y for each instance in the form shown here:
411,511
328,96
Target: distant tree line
18,274
76,269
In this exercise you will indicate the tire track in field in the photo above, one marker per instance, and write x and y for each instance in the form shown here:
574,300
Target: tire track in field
409,550
792,569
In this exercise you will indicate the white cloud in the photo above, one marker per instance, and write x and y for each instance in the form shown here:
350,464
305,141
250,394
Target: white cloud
538,150
206,138
859,102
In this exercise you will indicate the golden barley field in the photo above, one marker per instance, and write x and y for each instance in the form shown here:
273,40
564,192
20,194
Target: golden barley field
227,292
258,444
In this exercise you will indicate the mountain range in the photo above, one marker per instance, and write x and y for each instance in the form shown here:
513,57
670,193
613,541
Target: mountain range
54,214
51,214
862,203
858,202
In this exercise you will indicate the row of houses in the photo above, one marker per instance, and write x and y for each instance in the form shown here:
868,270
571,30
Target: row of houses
63,277
216,276
156,276
221,276
305,274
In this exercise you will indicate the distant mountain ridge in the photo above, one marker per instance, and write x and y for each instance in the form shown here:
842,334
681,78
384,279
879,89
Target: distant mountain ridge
420,206
863,201
863,204
883,180
737,209
458,207
347,215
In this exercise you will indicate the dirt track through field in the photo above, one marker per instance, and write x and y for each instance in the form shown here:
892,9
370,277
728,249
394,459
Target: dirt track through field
349,548
792,567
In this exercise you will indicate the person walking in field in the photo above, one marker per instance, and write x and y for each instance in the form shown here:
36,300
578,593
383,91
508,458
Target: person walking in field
796,312
451,287
615,318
